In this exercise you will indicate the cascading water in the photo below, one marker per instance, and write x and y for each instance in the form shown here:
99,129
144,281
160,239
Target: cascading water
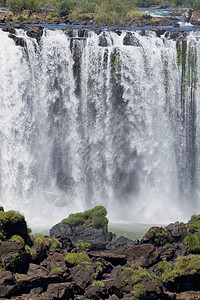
94,120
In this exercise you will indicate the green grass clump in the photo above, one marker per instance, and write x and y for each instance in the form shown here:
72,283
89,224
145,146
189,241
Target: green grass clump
139,291
77,258
192,242
56,271
164,266
83,246
184,265
18,239
194,223
55,244
95,217
98,283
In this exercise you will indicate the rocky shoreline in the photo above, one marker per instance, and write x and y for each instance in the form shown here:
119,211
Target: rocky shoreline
165,264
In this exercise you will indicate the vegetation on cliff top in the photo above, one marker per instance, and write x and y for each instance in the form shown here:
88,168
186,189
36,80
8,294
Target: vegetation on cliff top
95,217
103,12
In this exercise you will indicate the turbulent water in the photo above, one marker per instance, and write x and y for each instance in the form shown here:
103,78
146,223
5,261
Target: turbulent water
88,120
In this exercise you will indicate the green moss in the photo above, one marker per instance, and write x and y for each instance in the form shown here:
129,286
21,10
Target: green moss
164,266
56,271
83,246
13,223
139,291
184,265
98,283
77,258
41,239
192,242
96,217
194,224
152,233
18,239
55,244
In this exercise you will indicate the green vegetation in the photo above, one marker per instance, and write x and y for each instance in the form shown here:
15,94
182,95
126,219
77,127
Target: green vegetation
13,223
192,242
77,258
194,223
18,6
83,246
18,239
56,271
184,265
102,12
98,283
95,217
133,277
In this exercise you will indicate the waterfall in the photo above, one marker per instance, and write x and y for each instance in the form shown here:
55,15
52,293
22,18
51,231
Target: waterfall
93,119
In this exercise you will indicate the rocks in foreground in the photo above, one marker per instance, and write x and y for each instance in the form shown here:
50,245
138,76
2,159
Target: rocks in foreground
165,264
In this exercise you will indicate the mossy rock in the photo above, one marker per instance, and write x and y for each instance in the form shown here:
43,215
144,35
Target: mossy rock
194,224
95,217
13,223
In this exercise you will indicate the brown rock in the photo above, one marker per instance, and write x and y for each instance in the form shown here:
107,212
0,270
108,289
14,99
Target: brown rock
7,284
35,32
60,291
114,258
195,18
146,254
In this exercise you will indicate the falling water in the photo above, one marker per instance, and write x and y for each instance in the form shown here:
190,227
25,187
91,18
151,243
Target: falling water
91,120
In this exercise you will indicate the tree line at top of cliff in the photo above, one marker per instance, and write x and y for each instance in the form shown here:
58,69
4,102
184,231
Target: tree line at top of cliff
103,12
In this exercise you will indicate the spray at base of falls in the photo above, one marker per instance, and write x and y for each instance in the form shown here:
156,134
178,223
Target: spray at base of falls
89,121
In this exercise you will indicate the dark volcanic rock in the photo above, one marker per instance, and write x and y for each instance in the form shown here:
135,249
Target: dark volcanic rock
60,291
113,258
131,40
18,40
103,41
13,256
119,243
82,234
146,255
65,241
7,284
35,32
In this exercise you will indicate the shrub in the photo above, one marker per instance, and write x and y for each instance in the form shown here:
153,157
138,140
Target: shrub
192,242
17,6
96,217
1,208
184,265
77,258
98,283
21,18
56,271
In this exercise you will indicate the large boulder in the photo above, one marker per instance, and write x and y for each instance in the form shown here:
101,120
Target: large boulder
81,233
89,226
